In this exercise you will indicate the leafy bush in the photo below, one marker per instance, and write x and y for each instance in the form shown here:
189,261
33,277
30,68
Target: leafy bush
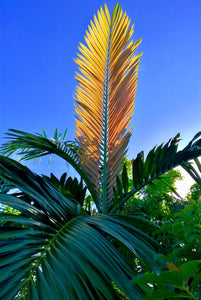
182,282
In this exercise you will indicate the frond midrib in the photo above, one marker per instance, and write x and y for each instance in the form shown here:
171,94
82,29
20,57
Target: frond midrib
105,133
106,117
46,249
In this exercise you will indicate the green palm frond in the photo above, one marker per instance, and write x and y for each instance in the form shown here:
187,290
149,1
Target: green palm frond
69,187
5,187
190,168
108,72
31,146
53,250
36,187
159,160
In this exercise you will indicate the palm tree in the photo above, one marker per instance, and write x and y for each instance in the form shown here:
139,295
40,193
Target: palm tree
52,245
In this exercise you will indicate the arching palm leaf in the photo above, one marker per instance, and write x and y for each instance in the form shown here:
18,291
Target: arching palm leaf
105,98
31,146
53,250
159,160
189,167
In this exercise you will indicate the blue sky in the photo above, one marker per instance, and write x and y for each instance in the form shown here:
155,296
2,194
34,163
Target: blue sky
39,40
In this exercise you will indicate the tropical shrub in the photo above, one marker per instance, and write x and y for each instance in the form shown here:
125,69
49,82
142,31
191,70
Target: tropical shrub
182,282
179,272
158,200
181,235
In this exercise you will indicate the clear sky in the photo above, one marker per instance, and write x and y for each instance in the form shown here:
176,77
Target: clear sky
39,39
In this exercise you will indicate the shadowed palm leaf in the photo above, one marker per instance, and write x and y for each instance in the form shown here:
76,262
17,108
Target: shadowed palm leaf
54,250
69,187
192,171
105,98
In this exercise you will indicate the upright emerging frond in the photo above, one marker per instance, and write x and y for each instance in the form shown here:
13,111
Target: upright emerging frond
105,98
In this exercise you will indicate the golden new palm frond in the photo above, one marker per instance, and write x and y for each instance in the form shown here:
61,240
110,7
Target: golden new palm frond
105,98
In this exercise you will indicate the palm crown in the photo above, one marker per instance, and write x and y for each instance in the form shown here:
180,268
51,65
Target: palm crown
52,245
